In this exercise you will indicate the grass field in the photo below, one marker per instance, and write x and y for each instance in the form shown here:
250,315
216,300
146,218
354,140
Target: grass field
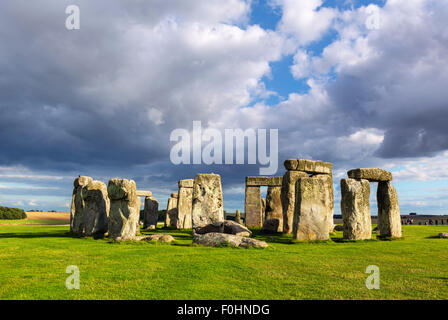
33,260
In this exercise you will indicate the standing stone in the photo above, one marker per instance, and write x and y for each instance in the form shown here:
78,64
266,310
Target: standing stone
355,209
238,217
124,209
184,205
150,213
388,210
263,208
96,210
313,216
207,200
274,208
171,211
253,207
288,196
77,208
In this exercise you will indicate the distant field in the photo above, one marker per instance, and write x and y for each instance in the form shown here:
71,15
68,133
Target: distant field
33,260
41,218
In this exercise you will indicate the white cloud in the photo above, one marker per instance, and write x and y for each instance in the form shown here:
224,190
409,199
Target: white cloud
305,20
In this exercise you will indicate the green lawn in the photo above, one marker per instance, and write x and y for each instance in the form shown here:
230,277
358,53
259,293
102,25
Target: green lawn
33,260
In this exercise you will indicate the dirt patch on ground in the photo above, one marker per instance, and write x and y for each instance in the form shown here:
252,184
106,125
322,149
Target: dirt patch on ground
60,216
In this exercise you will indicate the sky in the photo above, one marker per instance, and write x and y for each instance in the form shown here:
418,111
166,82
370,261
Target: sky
355,83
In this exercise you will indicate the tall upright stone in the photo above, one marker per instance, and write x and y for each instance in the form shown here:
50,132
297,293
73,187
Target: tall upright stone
389,220
238,217
355,209
253,207
184,204
313,216
207,200
263,208
171,211
274,208
124,209
288,197
96,208
150,213
77,208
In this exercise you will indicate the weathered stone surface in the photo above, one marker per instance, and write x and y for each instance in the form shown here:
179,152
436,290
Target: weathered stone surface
184,204
150,213
96,208
263,209
207,200
253,207
313,215
171,212
223,239
238,217
443,235
308,166
186,183
389,220
274,209
288,196
228,226
371,174
142,193
156,237
338,227
264,181
272,226
77,208
355,209
174,195
124,209
232,227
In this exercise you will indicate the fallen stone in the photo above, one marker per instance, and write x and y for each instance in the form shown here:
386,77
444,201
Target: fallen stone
288,196
389,219
443,235
223,239
371,174
313,216
124,209
355,209
228,227
156,237
96,210
207,200
232,227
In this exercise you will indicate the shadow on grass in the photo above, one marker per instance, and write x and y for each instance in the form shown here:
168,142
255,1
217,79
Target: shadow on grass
53,234
435,237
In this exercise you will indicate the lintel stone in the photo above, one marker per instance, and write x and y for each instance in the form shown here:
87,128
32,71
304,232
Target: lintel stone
186,183
371,174
142,193
308,166
264,181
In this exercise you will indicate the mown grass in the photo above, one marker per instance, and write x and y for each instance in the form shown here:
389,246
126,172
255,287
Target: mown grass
33,260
